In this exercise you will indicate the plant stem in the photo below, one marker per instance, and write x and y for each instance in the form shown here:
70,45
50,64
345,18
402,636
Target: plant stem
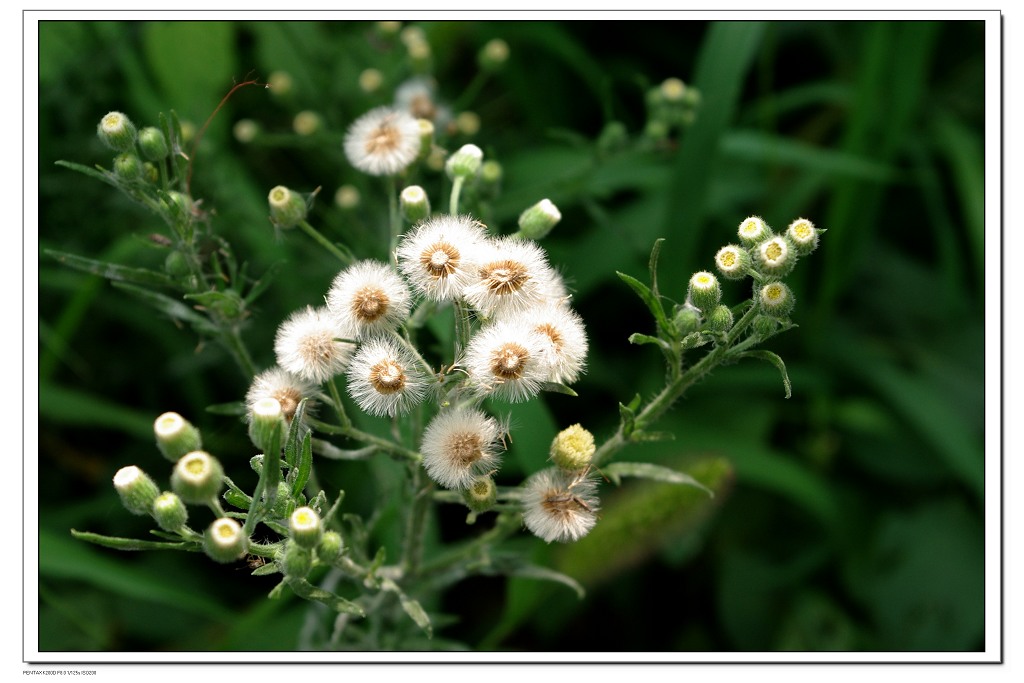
233,342
453,202
462,328
416,522
367,438
325,243
394,219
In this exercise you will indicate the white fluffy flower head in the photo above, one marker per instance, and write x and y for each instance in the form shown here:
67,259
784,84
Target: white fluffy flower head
460,445
306,345
560,506
440,256
505,361
383,378
383,141
563,340
513,275
286,388
368,298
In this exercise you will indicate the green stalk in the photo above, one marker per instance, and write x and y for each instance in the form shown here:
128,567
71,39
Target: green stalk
453,202
325,243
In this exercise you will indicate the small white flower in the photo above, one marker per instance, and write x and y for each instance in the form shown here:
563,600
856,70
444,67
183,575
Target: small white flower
286,388
384,379
506,361
306,345
560,506
513,276
460,445
368,298
440,256
383,141
563,341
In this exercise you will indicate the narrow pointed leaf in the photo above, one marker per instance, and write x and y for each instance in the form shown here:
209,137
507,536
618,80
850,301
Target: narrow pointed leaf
652,302
411,607
130,543
557,388
306,590
645,470
775,360
91,172
172,308
516,567
652,266
111,271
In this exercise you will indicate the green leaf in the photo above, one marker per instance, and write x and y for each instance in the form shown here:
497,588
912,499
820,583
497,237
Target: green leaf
557,388
775,360
71,407
261,285
516,566
641,339
754,146
411,607
234,408
306,590
305,465
172,308
652,266
226,303
266,569
645,470
102,176
653,303
131,543
111,271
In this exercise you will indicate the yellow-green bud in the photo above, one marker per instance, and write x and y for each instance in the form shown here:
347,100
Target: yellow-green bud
136,489
775,299
280,83
347,197
287,208
732,262
803,236
150,173
572,448
468,123
672,90
330,546
465,163
775,257
295,560
117,132
426,137
266,421
306,123
179,204
153,144
176,436
613,137
415,204
169,512
176,264
128,166
704,291
304,527
370,80
481,495
720,319
491,172
493,55
224,541
198,477
753,230
538,220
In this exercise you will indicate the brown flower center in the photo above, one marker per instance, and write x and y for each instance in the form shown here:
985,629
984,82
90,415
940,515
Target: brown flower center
387,377
370,303
383,140
509,361
504,277
563,503
465,448
317,348
289,398
440,259
549,330
422,107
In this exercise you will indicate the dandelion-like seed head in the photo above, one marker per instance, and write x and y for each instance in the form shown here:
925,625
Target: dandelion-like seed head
383,142
506,361
513,275
307,345
563,340
383,378
284,387
460,445
368,298
560,506
439,257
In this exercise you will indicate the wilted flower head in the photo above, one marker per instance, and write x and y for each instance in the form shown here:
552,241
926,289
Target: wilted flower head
383,141
506,361
307,344
440,256
460,445
285,387
560,506
384,379
368,298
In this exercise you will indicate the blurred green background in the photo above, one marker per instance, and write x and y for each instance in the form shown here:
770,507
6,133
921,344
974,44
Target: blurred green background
851,517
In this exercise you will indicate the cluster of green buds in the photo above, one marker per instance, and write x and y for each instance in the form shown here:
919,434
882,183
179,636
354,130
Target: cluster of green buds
671,106
138,151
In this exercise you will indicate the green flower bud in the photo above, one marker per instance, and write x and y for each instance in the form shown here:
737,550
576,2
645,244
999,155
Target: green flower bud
465,163
284,505
480,495
304,527
803,236
775,257
704,291
468,123
245,130
426,137
330,547
656,129
765,325
672,90
150,173
128,167
169,512
256,463
287,208
415,204
753,230
295,560
198,477
117,132
347,197
493,55
538,220
175,436
491,173
306,123
136,489
266,421
176,264
686,319
732,262
775,299
720,319
179,204
572,448
153,144
224,541
370,80
613,137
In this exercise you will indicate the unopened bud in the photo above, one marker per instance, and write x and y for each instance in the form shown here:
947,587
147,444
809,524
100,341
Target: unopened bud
720,319
295,560
572,448
128,167
330,546
169,512
753,230
465,163
136,489
776,299
117,132
481,495
198,477
803,235
224,541
686,319
306,123
347,197
370,80
732,262
468,123
426,137
266,423
538,220
493,55
704,291
304,527
287,208
775,257
153,144
415,204
176,436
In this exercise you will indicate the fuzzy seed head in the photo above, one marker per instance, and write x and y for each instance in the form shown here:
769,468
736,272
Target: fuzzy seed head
282,386
440,256
384,379
560,506
460,445
383,142
368,298
506,361
306,345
